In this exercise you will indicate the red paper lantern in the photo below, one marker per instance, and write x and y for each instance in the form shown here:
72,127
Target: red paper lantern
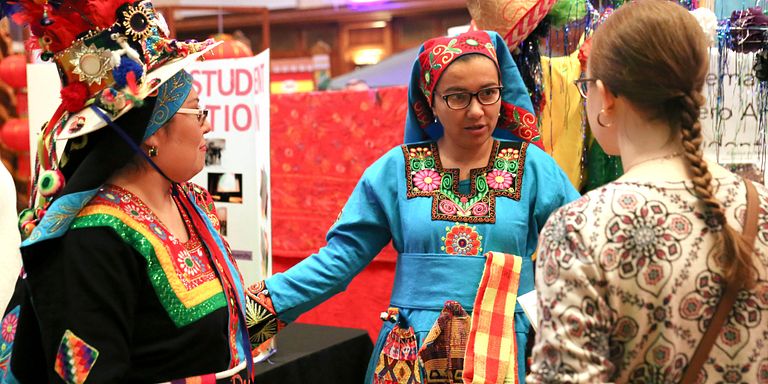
230,48
13,71
23,167
22,103
15,134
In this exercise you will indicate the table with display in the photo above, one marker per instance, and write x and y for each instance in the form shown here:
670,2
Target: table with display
317,354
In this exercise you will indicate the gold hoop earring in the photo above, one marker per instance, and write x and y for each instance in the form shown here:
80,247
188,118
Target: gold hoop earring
599,121
152,151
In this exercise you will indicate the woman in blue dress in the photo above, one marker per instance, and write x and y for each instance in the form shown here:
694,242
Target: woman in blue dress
466,182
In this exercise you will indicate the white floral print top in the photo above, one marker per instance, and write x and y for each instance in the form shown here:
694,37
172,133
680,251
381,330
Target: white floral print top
627,284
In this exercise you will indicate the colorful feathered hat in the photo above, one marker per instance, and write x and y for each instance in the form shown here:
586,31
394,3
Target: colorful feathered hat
110,56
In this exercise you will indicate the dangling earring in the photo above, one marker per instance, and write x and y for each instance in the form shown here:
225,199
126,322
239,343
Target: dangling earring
600,121
152,151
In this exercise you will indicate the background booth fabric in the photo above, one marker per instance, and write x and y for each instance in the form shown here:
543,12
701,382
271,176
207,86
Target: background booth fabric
321,143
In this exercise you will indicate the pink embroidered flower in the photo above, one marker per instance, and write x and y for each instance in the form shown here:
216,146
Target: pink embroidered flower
480,209
427,180
447,207
498,179
9,327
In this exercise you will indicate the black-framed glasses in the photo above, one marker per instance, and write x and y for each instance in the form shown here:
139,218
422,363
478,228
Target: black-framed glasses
461,100
200,114
583,85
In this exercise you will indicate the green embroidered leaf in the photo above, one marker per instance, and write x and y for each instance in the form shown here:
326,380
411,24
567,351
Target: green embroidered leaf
513,166
417,165
429,162
516,115
446,185
481,185
500,164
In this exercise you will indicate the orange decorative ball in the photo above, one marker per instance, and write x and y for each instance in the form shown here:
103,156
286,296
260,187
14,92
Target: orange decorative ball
231,48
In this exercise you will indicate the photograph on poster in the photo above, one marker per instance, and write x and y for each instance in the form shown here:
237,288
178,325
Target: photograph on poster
221,212
242,255
226,187
215,149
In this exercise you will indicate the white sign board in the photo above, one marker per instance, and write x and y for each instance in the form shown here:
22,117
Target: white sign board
236,92
734,121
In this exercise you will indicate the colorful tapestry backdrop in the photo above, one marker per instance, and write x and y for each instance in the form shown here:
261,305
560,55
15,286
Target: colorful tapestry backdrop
321,143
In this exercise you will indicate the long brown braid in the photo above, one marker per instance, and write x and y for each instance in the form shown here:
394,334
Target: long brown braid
654,53
735,250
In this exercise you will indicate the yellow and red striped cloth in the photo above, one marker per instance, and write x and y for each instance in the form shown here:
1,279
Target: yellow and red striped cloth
491,355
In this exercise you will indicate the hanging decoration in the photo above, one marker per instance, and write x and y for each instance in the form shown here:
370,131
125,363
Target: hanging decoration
15,134
735,117
747,29
761,64
13,71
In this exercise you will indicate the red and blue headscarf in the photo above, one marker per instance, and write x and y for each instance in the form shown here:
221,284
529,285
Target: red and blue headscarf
516,122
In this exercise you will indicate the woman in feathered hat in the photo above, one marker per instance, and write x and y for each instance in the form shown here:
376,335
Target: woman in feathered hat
462,201
127,278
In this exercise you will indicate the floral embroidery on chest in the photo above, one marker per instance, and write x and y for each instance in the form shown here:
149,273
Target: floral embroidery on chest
462,239
190,263
501,177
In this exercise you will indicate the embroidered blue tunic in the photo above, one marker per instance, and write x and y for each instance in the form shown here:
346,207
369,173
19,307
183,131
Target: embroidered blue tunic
440,228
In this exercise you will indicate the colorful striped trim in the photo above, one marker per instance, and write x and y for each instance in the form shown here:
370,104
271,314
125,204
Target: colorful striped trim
184,306
527,23
492,349
75,359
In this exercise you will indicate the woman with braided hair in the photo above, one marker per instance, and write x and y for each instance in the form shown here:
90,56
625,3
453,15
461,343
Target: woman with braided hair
630,275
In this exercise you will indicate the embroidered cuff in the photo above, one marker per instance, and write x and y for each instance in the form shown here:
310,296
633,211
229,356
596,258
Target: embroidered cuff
260,315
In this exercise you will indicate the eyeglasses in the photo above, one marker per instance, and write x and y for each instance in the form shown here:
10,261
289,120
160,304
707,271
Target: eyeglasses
461,100
201,114
583,85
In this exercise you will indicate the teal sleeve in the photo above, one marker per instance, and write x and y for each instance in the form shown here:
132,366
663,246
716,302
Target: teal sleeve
360,233
554,189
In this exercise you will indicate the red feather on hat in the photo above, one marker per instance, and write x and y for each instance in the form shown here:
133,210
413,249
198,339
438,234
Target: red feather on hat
68,20
102,12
